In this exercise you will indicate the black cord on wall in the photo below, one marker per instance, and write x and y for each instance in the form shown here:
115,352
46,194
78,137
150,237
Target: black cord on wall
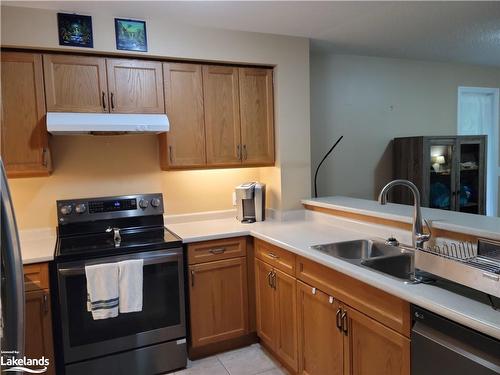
321,162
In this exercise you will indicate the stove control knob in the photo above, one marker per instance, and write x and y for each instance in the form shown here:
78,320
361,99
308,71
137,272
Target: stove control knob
143,203
66,209
80,208
155,202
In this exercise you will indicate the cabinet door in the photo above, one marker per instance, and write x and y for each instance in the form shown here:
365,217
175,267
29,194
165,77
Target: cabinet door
218,301
38,340
286,318
264,300
471,174
184,145
439,187
257,115
24,146
135,86
373,349
321,345
222,115
75,83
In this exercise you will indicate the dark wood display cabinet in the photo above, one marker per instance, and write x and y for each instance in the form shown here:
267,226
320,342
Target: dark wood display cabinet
450,172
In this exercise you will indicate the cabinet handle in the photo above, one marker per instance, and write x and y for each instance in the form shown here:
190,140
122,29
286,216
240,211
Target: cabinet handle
45,303
112,101
245,153
331,300
44,157
273,280
220,250
313,291
238,152
344,322
170,157
104,100
338,319
192,278
273,255
269,275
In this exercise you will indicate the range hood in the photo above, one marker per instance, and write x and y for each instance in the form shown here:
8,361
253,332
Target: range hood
105,123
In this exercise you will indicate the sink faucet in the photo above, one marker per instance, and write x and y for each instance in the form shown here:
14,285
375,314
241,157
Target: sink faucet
418,235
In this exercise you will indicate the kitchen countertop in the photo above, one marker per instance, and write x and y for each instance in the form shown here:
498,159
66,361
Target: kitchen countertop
296,231
37,245
305,228
476,225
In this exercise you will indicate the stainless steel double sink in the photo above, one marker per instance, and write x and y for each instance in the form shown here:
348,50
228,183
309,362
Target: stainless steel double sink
395,261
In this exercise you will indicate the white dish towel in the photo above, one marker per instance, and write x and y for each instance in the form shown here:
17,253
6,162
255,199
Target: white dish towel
130,285
102,290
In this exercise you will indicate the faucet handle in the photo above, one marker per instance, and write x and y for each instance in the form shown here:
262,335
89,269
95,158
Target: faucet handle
423,236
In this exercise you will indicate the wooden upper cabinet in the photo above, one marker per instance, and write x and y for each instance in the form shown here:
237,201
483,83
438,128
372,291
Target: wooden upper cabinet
321,345
135,86
218,296
257,115
222,115
184,144
373,349
24,143
75,83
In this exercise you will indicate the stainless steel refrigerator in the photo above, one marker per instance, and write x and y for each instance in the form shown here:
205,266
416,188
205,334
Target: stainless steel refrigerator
11,276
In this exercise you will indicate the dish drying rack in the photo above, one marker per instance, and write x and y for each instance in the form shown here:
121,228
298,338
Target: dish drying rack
476,266
485,255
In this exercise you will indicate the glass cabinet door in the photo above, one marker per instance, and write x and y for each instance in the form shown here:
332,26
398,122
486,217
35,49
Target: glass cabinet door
469,176
442,189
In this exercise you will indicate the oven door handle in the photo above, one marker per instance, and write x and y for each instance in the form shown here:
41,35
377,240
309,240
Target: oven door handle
149,258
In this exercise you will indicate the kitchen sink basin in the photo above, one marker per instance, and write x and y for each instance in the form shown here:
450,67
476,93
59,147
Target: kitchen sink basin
395,261
358,249
400,266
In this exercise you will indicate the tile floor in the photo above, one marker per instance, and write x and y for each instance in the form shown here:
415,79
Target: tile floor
251,360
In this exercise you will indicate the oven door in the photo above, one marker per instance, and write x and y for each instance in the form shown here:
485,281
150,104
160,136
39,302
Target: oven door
161,319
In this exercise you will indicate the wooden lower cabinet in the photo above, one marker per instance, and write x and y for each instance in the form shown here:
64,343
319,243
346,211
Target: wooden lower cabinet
264,300
276,312
286,318
321,342
374,349
38,326
218,301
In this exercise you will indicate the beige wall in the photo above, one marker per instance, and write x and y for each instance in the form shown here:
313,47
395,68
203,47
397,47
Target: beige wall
372,100
91,166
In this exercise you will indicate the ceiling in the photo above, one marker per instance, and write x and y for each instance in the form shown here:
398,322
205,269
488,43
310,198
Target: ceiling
467,32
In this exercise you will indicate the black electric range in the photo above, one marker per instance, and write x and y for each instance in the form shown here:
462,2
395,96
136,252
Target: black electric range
113,229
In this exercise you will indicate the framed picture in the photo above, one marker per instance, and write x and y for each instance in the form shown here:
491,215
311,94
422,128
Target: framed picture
131,35
75,30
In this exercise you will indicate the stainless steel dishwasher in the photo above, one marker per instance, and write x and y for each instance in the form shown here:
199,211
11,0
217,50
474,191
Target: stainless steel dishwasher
440,346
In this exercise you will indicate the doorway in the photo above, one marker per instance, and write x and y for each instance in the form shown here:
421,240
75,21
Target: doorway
478,114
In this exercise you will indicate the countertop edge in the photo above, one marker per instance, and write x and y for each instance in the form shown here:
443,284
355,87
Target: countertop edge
443,225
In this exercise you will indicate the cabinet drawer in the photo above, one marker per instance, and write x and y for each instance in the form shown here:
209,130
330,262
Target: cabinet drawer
275,256
209,251
36,276
389,310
